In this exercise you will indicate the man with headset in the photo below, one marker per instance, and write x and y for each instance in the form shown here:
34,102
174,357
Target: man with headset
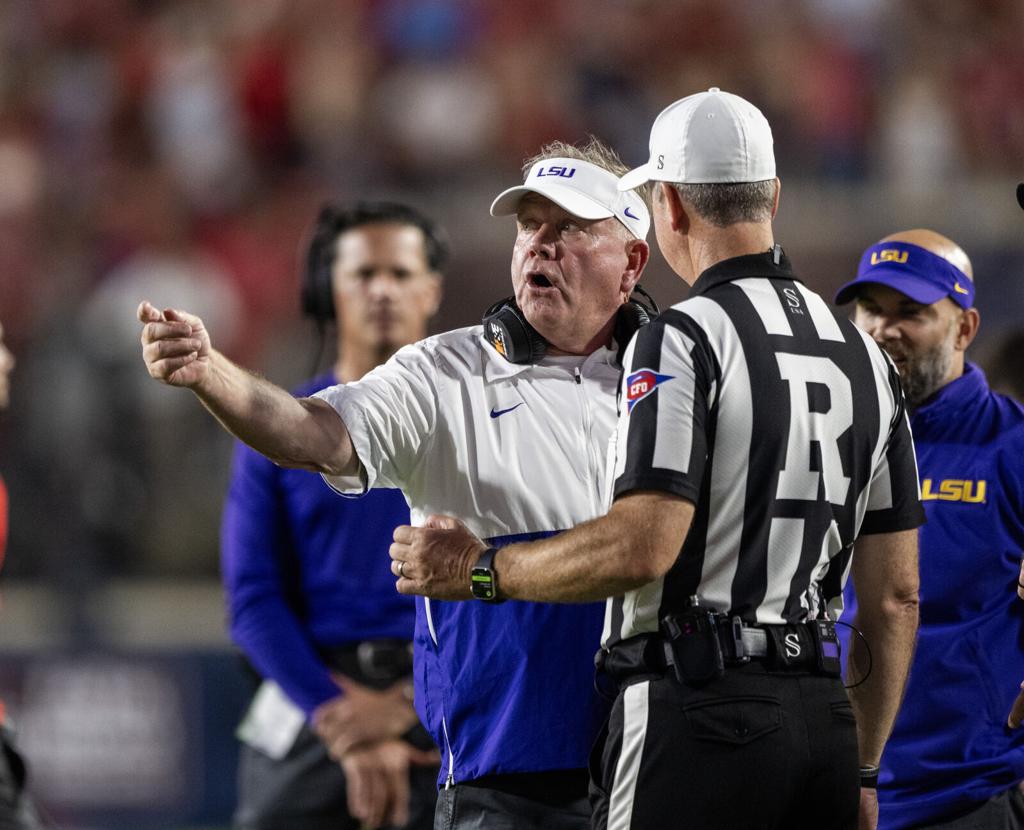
310,597
506,426
760,437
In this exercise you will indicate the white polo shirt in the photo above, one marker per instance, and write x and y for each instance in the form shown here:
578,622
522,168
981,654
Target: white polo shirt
507,448
517,453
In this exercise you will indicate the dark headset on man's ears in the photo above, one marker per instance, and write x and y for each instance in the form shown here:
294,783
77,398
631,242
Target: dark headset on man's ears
507,329
321,249
317,294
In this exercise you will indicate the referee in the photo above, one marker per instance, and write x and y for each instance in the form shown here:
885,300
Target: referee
759,438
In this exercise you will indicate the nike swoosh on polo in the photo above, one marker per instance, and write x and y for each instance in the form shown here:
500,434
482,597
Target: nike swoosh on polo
959,290
497,413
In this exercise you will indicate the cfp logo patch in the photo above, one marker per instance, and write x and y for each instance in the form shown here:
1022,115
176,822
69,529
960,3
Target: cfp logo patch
557,170
954,489
888,255
792,643
642,383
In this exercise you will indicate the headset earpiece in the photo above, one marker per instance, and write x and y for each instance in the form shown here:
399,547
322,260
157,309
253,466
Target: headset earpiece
632,317
512,336
317,282
506,328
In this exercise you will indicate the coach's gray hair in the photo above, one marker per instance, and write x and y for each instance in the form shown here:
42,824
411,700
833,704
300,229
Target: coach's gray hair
596,152
726,204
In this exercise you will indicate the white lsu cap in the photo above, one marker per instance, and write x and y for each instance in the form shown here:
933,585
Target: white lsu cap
711,137
584,189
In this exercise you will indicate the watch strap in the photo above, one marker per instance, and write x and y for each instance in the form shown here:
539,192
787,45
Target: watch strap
484,579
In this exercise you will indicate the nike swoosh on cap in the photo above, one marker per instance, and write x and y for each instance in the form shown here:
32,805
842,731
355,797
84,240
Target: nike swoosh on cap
629,213
958,289
497,413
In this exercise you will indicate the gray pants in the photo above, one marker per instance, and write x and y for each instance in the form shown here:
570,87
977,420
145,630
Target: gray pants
465,807
307,789
1001,812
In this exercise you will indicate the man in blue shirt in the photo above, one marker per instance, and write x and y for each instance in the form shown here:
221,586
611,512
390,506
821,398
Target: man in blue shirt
310,594
951,761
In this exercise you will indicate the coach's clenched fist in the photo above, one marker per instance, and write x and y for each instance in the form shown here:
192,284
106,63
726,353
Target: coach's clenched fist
175,345
435,560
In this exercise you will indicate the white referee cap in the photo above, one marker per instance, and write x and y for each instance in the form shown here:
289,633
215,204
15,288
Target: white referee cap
585,190
711,137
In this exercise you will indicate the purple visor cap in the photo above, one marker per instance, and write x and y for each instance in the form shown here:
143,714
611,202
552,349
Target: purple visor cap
912,270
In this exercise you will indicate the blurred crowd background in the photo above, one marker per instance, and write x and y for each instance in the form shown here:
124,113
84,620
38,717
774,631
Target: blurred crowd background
178,151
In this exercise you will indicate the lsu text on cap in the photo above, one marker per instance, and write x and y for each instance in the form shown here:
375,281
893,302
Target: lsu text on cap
584,189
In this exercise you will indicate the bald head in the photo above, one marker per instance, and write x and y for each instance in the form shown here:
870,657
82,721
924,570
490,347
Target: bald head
938,244
917,308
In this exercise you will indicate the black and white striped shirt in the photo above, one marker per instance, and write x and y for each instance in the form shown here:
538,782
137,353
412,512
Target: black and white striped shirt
784,424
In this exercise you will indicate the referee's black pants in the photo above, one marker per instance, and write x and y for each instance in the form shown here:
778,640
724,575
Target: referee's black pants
754,749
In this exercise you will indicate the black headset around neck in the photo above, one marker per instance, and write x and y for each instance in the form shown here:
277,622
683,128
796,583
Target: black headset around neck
507,329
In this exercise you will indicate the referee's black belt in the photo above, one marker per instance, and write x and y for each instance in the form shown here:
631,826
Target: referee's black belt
788,647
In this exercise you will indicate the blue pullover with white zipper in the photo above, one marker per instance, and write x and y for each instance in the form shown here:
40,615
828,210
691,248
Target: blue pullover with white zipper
950,748
516,452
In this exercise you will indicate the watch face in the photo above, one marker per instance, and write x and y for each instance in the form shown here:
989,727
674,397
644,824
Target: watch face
482,583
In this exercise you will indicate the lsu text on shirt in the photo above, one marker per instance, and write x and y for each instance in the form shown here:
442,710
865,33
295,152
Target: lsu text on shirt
950,747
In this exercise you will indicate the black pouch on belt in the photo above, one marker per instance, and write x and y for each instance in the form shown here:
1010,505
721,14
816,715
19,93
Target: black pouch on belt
693,645
826,643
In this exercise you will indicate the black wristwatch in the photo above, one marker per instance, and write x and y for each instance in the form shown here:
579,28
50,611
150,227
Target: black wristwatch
484,579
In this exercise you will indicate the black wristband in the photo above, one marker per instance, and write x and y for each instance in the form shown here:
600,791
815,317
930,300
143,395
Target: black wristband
869,776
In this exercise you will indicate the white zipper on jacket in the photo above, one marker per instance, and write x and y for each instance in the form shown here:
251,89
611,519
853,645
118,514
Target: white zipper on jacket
444,725
588,426
450,779
430,619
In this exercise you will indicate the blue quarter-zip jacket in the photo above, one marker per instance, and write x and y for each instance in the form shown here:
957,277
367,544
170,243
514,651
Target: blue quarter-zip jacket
950,748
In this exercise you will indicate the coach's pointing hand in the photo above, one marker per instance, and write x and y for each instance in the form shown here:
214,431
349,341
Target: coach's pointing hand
175,345
435,560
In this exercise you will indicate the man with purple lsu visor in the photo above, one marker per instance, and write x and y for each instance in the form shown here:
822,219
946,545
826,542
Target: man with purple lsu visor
951,760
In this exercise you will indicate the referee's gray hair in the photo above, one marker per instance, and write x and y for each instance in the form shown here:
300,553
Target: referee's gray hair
596,152
726,204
